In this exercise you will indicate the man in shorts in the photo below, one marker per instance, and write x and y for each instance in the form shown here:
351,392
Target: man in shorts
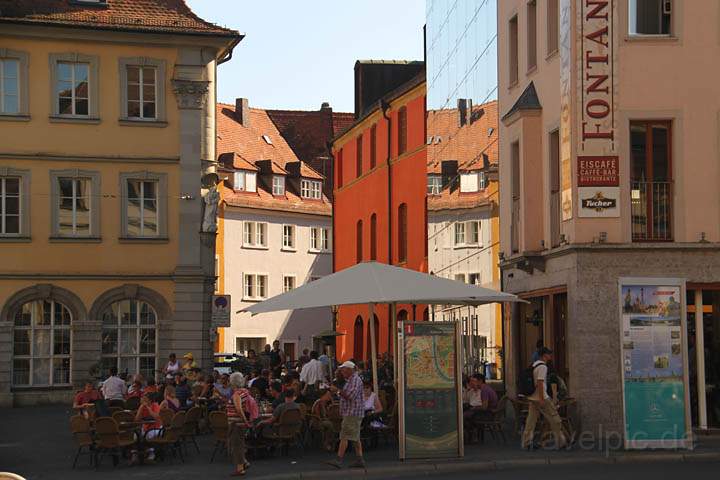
351,410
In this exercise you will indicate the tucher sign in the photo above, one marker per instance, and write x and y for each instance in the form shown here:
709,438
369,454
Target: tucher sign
598,202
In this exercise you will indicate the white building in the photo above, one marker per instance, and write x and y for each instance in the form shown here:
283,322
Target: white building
275,232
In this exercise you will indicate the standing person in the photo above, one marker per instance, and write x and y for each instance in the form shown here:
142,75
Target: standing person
538,351
172,367
114,387
265,355
312,373
239,413
541,404
351,410
304,358
327,362
277,357
190,367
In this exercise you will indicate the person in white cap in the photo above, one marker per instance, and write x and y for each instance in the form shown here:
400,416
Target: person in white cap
351,409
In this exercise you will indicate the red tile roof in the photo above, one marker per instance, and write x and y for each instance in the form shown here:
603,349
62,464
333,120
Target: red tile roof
466,144
454,200
236,161
237,144
163,16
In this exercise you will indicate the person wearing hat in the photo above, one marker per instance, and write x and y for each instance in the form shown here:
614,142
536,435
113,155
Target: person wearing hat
541,404
190,367
352,412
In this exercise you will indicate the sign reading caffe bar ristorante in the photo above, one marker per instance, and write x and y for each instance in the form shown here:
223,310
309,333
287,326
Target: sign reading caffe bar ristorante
598,171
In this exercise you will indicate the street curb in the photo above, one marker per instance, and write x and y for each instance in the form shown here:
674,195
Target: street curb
428,468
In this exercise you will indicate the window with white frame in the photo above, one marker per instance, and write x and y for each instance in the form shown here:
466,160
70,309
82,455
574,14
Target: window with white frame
289,237
73,208
254,286
41,344
245,181
483,180
73,88
434,184
474,278
460,277
9,85
459,233
288,283
10,210
319,239
467,233
278,185
129,337
650,17
255,234
469,182
142,92
142,208
311,189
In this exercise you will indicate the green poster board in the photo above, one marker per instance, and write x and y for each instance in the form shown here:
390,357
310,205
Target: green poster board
654,363
430,390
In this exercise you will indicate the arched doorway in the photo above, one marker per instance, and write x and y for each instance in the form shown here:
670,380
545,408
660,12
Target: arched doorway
358,338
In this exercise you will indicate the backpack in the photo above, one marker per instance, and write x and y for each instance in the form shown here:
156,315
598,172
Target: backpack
526,380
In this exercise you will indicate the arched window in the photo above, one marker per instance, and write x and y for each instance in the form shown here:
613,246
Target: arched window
377,337
358,337
402,232
41,345
129,332
359,241
373,237
402,316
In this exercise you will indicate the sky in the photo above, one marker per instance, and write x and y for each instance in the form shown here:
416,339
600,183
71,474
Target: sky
297,54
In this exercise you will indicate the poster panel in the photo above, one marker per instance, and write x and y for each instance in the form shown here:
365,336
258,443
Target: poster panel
654,363
221,311
598,202
431,409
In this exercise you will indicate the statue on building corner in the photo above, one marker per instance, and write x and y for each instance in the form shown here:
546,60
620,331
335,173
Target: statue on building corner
211,200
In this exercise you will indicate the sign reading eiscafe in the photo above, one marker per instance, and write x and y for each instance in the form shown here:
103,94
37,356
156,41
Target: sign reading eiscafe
597,115
598,171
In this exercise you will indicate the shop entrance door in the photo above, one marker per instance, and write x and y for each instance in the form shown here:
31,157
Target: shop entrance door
704,355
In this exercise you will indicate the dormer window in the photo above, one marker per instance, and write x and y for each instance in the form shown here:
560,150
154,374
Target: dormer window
469,182
434,184
245,182
278,185
311,189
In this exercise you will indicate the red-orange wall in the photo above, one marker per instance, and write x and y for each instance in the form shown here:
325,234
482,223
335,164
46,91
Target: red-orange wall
358,198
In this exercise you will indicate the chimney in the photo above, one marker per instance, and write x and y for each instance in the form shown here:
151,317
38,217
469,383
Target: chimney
242,111
325,106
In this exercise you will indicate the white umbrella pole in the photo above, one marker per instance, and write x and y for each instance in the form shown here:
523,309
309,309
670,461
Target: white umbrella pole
373,349
393,327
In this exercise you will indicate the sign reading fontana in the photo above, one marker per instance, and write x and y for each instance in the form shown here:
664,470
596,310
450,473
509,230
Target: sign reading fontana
597,160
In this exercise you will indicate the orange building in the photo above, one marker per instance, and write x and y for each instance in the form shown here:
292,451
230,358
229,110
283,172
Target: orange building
379,202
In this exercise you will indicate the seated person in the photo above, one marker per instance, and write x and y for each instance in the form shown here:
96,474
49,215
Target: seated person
86,398
276,394
182,390
151,386
266,427
135,390
320,421
262,383
149,410
479,398
222,389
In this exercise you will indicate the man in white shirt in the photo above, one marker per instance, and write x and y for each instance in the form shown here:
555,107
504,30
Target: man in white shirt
541,404
114,387
313,372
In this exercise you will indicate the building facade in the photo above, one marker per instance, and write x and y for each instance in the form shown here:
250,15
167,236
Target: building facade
102,150
462,147
599,154
379,207
275,229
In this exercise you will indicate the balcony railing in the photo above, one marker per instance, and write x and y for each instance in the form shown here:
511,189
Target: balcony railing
651,210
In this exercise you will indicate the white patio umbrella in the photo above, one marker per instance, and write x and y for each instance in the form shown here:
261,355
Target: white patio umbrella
372,283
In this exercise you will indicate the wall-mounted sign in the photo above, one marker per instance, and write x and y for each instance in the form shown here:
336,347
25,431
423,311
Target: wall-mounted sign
599,202
654,352
221,311
566,117
598,171
596,68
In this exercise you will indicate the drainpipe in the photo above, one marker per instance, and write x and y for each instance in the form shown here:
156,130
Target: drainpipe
385,106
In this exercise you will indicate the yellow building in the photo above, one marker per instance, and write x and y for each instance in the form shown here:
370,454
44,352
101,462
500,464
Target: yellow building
107,128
